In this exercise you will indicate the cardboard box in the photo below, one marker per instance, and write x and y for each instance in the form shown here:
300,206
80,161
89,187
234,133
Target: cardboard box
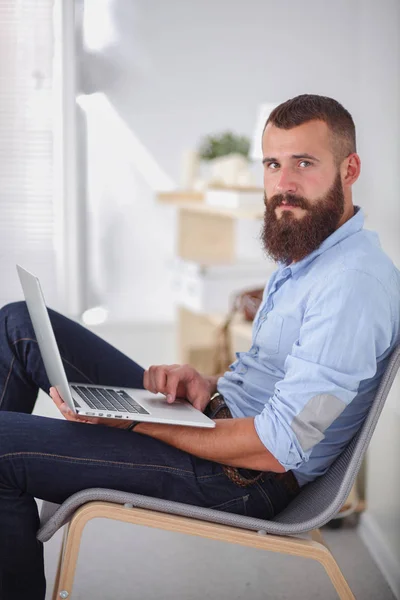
218,236
212,288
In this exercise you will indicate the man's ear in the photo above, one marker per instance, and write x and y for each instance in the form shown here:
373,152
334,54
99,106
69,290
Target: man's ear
350,169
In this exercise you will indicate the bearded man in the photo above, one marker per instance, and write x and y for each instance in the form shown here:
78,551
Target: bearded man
329,319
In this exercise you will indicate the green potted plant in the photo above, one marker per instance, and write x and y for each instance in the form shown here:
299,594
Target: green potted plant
223,144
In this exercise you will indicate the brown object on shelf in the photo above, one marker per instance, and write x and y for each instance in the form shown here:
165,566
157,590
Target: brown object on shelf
247,303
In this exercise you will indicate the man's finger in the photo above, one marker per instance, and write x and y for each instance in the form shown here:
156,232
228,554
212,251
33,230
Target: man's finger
55,396
146,378
174,378
160,379
62,406
154,378
149,380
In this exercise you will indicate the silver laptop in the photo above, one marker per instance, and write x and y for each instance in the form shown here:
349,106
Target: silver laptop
99,400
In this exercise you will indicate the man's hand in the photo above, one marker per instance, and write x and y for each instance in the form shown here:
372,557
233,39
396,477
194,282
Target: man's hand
180,381
71,416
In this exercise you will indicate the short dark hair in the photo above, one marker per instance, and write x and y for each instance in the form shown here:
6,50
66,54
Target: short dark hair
310,107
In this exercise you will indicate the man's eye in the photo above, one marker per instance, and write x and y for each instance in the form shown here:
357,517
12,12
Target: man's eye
273,165
305,162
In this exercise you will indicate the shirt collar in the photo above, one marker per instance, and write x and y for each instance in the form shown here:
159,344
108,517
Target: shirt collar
348,228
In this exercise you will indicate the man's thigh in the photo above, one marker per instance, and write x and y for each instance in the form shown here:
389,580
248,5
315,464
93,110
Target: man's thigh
52,459
89,358
86,358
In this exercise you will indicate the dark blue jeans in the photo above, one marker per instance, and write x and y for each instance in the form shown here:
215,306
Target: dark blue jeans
52,459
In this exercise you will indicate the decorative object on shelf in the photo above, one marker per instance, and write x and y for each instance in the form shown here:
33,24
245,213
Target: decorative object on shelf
223,144
230,171
226,156
190,169
248,302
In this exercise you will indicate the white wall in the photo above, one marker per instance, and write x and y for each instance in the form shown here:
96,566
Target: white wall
379,93
183,69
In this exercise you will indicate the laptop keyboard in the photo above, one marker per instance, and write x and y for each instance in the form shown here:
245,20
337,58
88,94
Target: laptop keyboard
108,399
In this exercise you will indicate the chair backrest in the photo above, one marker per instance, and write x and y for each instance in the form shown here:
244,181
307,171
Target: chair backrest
317,503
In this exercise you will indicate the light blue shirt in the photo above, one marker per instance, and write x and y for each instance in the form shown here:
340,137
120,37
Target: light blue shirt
321,341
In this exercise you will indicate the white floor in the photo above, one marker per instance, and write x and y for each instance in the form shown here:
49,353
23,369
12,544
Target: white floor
135,562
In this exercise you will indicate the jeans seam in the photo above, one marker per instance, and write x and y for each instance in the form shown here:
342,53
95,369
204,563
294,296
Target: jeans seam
266,496
232,501
75,459
7,380
23,340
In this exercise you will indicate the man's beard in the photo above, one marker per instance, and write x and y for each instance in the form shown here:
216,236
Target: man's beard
290,238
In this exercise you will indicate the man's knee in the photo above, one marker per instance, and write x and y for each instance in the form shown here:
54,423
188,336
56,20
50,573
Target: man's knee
16,311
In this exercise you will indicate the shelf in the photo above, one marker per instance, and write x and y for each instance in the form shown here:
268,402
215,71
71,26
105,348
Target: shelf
194,202
179,197
232,213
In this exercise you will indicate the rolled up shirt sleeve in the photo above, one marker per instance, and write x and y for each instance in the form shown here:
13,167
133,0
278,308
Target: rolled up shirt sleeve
347,325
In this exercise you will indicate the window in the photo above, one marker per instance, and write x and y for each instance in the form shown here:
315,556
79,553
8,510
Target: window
26,146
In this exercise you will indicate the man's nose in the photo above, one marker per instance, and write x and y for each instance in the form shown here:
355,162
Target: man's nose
286,183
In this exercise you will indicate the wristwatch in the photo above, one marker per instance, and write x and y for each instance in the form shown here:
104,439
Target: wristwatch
132,425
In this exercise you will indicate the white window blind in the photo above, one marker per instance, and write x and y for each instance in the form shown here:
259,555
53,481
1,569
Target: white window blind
26,146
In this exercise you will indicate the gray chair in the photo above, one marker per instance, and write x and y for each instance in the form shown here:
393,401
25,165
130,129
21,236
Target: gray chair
316,504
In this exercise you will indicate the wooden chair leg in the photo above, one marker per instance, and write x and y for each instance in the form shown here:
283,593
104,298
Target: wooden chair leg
69,554
59,564
315,548
336,576
332,568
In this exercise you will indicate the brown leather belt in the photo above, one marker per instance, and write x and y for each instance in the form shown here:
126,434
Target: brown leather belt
217,409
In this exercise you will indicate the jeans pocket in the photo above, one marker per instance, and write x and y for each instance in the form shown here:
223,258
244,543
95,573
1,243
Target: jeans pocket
234,505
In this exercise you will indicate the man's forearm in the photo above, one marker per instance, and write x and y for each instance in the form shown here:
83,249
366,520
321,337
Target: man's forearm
232,442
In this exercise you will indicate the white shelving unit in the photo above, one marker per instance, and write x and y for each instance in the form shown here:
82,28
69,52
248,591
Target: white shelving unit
212,236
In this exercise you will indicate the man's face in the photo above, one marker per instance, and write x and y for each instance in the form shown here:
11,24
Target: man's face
303,191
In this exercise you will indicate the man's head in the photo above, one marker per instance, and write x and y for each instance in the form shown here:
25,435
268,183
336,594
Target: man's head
310,164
